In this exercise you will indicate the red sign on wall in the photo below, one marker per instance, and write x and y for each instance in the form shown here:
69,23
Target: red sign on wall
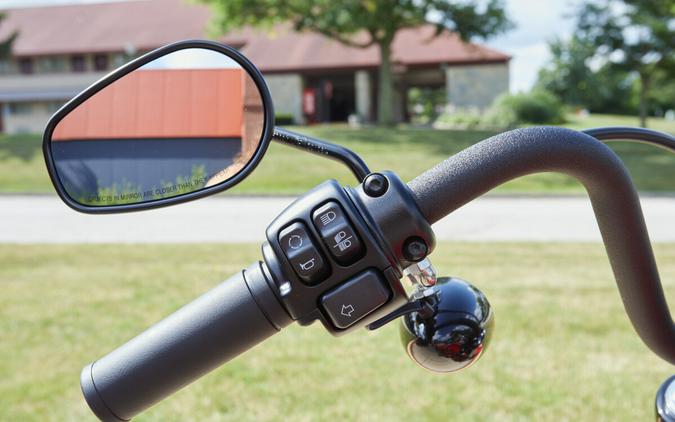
309,102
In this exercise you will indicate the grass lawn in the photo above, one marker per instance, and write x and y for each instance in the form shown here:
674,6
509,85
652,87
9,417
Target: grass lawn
407,151
563,348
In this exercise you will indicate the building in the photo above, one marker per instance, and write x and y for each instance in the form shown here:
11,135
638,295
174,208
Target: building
60,50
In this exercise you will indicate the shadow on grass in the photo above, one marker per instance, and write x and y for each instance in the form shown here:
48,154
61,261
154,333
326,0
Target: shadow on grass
22,147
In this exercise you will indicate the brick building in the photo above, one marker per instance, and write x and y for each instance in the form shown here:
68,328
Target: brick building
60,50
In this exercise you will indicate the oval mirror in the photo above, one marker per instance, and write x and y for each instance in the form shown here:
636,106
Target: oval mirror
181,122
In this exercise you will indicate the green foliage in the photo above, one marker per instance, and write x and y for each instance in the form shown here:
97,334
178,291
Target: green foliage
425,104
364,23
634,36
662,95
570,78
536,107
6,45
130,193
284,119
508,111
460,120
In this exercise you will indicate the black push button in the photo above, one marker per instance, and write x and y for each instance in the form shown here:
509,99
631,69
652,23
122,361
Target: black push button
355,299
338,234
302,253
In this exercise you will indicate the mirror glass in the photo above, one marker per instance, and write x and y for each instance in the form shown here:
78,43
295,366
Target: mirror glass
186,121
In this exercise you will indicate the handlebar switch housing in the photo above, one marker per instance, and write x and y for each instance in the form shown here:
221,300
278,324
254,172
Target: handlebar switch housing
360,242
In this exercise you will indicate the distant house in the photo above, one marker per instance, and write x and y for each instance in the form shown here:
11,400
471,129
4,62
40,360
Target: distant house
60,50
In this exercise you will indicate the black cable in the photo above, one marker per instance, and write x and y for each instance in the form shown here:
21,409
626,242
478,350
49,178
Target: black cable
323,148
633,134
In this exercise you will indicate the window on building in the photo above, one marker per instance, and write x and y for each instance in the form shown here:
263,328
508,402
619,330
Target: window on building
18,109
78,64
54,106
52,64
26,65
101,62
5,66
119,59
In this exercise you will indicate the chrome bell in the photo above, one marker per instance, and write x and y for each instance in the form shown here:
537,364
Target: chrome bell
454,330
665,401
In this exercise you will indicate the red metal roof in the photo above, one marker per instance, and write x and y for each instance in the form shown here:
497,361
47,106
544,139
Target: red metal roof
147,24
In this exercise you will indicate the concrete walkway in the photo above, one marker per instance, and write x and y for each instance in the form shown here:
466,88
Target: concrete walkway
45,219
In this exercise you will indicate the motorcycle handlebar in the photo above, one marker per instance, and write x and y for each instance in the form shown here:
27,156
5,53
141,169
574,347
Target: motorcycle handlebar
478,169
214,328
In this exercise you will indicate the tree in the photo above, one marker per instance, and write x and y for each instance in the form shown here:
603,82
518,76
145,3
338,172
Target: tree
571,78
634,35
6,45
364,23
663,98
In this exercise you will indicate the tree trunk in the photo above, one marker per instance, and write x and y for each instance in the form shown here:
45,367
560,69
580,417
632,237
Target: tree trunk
644,91
385,87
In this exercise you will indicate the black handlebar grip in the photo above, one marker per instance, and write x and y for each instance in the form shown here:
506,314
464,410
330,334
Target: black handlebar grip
214,328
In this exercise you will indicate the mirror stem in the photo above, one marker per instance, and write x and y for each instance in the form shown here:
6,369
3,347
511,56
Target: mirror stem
323,148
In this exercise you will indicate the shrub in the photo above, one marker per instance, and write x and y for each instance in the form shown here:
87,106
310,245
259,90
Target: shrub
459,119
508,111
473,119
537,107
283,119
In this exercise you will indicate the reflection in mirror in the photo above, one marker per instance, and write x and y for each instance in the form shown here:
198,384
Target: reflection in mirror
188,120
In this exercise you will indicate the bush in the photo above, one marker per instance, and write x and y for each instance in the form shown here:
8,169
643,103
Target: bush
537,107
473,119
459,119
281,119
508,111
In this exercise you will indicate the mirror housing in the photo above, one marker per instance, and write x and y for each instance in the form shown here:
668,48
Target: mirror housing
212,183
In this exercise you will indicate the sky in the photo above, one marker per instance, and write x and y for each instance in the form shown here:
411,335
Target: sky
537,21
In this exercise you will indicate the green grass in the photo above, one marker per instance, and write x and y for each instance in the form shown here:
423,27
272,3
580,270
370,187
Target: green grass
599,120
563,348
22,168
407,151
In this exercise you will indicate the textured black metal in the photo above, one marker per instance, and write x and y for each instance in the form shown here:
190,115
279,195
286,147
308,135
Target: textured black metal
481,167
415,249
394,217
375,185
316,146
633,134
219,325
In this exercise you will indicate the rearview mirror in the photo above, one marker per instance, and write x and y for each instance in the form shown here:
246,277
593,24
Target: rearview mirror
181,122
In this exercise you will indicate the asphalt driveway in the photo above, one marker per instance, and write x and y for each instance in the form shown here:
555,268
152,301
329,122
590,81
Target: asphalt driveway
44,219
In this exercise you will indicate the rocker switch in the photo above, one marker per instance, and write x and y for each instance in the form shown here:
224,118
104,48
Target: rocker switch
353,300
302,253
338,234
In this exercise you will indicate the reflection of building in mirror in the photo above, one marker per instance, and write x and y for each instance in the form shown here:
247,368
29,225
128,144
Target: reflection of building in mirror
158,133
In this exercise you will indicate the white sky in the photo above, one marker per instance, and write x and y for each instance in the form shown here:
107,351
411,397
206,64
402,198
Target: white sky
193,58
538,21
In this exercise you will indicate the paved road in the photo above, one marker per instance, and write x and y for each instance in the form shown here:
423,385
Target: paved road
44,219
